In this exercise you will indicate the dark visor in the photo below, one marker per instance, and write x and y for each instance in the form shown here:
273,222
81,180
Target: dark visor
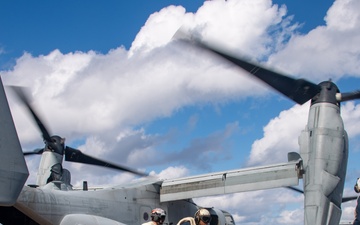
206,219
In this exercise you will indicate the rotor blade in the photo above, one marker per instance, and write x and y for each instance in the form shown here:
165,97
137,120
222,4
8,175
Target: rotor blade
75,155
295,189
350,198
344,199
298,90
350,96
37,151
21,94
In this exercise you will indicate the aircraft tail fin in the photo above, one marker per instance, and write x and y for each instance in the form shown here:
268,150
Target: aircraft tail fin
13,169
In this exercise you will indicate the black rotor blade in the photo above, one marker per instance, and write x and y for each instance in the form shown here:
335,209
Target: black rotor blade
350,96
344,199
298,90
37,151
75,155
295,189
21,94
350,198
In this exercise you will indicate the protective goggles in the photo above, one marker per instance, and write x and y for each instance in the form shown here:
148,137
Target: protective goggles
205,219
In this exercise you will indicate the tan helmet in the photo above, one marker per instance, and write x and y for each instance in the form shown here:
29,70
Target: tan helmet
158,215
202,214
357,186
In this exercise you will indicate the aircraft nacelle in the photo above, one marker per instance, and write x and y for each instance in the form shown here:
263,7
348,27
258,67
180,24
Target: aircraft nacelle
48,160
324,150
13,169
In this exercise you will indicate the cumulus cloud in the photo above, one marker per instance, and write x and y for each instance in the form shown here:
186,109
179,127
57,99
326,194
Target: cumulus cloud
280,137
326,52
171,173
259,212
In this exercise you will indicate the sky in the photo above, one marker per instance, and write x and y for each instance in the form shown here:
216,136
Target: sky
110,78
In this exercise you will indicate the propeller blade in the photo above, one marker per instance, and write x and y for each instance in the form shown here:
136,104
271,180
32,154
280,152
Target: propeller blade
75,155
21,95
350,96
298,90
295,189
37,151
344,199
350,198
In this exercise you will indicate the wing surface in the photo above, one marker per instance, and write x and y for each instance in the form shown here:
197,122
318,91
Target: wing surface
249,179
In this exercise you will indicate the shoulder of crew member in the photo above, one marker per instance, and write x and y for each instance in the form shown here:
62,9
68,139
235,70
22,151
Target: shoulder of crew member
149,223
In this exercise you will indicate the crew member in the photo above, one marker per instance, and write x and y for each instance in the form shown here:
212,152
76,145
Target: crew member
357,209
202,217
157,217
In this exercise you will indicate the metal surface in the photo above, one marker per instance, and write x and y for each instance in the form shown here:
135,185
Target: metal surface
249,179
13,169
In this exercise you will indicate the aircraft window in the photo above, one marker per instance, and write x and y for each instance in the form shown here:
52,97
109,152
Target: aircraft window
146,216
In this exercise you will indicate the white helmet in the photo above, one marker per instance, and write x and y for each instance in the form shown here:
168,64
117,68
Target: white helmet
202,214
158,215
357,186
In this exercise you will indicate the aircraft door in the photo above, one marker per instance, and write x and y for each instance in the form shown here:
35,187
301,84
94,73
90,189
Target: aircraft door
145,214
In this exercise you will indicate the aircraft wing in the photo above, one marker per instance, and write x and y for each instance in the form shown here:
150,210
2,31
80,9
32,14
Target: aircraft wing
248,179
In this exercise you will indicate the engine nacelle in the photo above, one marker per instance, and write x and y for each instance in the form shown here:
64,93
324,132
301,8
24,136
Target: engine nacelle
220,217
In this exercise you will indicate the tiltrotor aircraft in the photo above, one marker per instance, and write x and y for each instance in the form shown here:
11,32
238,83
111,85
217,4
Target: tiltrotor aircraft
321,164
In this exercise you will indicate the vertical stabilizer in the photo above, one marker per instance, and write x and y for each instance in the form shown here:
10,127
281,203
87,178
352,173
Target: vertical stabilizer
13,169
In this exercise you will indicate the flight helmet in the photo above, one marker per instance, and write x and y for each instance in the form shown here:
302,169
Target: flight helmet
202,214
357,186
158,215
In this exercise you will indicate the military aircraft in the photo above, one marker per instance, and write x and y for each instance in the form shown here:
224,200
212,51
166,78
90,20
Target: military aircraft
52,200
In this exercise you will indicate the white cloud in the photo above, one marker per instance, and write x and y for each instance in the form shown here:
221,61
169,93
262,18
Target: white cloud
326,52
280,137
351,114
343,15
266,206
289,217
171,173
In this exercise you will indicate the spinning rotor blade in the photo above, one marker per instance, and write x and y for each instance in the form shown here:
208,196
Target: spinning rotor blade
21,95
37,151
75,155
56,143
299,90
349,96
344,199
296,189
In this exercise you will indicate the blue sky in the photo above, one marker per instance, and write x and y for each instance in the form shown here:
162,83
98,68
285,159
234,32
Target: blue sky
108,78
